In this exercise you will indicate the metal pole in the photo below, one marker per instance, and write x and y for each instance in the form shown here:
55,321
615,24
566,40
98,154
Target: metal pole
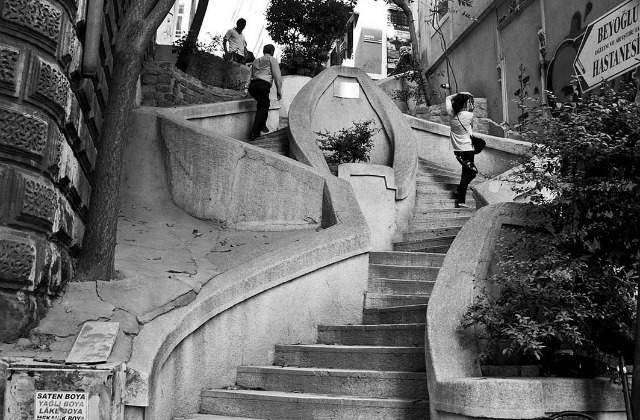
93,31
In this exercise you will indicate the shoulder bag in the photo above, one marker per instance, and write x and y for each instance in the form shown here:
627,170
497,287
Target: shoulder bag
477,142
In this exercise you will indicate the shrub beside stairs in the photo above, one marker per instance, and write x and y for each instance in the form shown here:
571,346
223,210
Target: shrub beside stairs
371,371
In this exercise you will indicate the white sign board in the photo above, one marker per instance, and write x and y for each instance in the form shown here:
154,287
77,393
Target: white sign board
346,87
60,405
610,46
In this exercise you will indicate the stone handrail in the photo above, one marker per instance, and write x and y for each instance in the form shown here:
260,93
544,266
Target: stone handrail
455,383
303,139
215,177
499,155
516,147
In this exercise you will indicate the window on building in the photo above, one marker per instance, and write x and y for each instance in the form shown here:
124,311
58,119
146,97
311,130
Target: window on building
179,26
398,19
440,8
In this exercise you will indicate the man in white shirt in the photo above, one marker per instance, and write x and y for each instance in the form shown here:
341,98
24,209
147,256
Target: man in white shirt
264,72
234,44
460,110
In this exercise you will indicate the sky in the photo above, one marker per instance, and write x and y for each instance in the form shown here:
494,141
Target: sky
222,15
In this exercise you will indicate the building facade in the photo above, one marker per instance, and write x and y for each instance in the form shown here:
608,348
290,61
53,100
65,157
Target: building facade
53,91
503,50
176,24
375,36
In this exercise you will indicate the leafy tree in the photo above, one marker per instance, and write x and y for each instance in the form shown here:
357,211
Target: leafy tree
212,46
307,28
189,46
585,174
137,29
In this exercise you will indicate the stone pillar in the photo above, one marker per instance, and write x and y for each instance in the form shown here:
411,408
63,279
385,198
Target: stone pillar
374,188
49,121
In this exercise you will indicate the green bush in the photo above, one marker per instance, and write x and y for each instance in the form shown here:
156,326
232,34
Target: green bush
214,45
347,145
576,289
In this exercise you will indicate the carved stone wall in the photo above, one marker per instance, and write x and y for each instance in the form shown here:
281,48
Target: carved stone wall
50,121
164,85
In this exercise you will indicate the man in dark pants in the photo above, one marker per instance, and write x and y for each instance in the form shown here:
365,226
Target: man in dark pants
469,172
460,109
234,43
264,72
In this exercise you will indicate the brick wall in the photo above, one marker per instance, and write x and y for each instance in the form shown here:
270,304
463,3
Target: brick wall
164,85
50,121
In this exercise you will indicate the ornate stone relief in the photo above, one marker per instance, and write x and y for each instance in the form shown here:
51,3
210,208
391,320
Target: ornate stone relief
9,58
23,132
17,259
39,200
52,84
40,16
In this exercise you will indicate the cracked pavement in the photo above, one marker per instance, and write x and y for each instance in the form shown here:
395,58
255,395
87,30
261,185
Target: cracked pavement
163,258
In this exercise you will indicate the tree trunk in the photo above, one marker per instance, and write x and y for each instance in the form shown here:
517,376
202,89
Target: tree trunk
415,48
190,42
97,258
138,26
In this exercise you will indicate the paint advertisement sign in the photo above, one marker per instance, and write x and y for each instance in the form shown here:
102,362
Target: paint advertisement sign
60,405
610,46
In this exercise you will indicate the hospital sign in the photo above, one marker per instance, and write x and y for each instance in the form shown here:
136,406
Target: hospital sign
610,45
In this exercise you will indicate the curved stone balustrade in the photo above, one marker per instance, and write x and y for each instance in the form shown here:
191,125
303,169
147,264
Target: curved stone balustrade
456,386
433,144
241,313
323,104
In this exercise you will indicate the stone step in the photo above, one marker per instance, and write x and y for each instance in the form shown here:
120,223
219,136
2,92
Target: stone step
372,335
400,287
402,272
424,205
274,146
406,359
426,169
425,245
430,165
370,383
213,417
436,248
433,223
451,179
442,213
276,141
427,196
395,315
415,235
290,405
382,300
406,258
279,133
425,186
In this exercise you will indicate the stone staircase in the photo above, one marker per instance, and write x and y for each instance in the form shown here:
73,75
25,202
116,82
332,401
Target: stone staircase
276,141
375,370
